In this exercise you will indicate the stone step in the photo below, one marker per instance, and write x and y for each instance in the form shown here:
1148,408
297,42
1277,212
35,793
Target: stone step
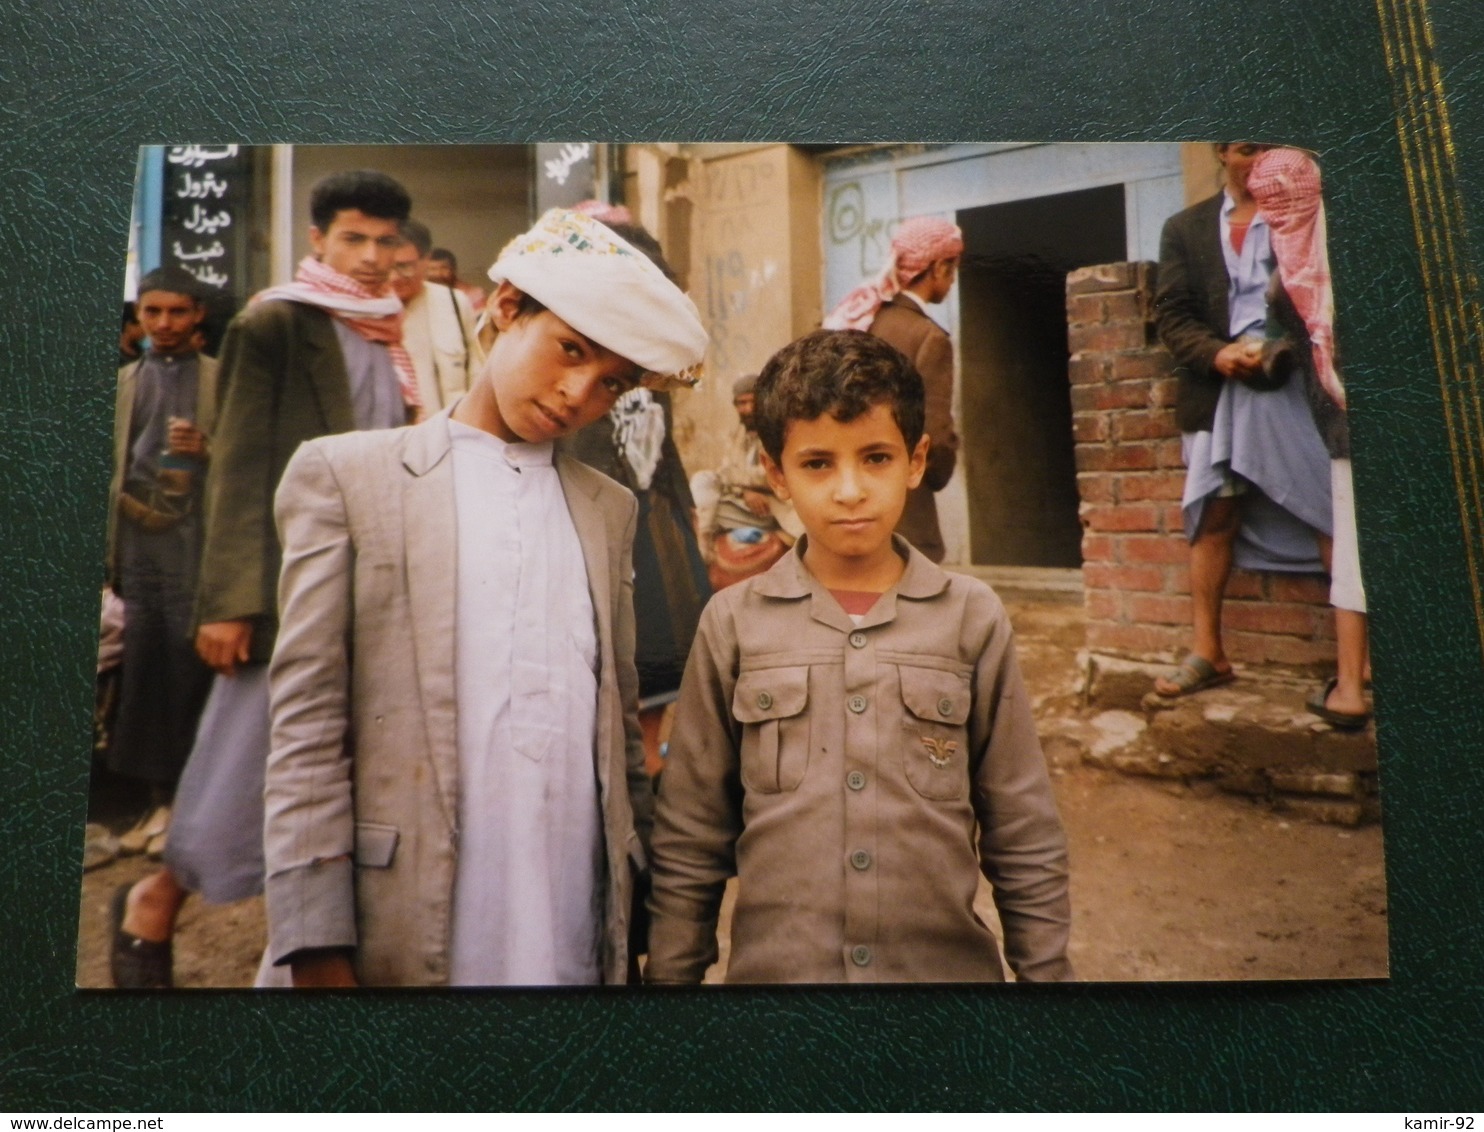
1252,737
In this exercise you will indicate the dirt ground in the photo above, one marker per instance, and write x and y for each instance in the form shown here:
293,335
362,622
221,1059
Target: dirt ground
1169,881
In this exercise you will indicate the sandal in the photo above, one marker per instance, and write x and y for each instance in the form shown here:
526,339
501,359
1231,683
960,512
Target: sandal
1195,674
137,840
136,964
1340,720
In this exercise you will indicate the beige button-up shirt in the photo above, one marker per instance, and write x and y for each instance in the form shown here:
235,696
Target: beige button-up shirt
856,779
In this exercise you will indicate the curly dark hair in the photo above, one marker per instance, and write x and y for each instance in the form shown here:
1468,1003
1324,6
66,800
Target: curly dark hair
366,190
840,372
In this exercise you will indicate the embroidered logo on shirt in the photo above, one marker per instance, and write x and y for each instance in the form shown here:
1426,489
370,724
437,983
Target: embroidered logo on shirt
939,751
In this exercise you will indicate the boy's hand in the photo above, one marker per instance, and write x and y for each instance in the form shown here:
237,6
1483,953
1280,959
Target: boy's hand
323,968
756,502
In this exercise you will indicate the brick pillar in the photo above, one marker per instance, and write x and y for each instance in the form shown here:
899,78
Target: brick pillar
1130,477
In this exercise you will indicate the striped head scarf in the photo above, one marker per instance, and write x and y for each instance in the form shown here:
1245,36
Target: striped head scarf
1285,185
376,318
916,245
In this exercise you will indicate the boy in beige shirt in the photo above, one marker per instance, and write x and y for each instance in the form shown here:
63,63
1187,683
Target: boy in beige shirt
853,738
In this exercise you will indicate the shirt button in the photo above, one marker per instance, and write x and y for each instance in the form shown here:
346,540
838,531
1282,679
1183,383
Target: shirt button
855,780
857,704
945,706
857,640
860,955
861,860
764,700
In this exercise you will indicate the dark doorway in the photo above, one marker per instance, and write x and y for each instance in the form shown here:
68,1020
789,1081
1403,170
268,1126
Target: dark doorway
1016,412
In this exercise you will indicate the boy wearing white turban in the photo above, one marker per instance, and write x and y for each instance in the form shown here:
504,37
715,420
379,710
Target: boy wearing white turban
456,794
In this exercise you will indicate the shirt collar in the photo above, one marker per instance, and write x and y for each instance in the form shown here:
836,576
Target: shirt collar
790,578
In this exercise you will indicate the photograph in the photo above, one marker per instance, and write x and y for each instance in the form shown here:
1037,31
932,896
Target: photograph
1184,842
1052,437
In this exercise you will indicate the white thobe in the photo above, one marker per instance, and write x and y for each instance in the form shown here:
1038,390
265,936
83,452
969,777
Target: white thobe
527,906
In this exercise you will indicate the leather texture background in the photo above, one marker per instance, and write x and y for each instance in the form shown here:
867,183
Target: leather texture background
82,85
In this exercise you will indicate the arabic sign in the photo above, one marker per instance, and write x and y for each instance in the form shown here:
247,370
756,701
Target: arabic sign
565,174
205,194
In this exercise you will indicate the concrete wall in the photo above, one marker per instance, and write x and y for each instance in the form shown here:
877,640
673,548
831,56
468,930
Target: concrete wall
753,269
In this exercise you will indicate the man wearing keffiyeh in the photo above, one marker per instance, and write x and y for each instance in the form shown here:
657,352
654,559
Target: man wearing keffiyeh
921,270
319,355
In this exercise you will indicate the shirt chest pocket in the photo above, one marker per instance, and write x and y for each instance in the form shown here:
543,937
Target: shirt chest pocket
935,741
770,703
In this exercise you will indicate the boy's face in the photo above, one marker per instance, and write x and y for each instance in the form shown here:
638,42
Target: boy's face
440,271
169,319
547,379
358,245
848,483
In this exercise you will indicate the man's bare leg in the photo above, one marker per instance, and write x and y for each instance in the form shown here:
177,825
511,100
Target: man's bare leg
1351,652
153,904
1210,569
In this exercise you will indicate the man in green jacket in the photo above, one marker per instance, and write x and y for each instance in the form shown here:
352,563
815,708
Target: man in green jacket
320,355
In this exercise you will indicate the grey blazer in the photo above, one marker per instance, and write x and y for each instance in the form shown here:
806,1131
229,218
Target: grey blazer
362,783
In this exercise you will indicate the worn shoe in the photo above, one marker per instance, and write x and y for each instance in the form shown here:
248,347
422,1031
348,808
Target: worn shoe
1194,674
1340,720
99,847
137,840
134,963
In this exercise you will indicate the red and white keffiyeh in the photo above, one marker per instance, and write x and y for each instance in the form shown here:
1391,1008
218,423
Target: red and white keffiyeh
376,318
916,245
1285,185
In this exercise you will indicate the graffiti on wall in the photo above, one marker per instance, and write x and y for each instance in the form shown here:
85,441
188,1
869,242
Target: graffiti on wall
741,261
849,225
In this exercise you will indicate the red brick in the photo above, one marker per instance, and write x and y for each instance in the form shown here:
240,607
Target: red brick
1142,365
1170,454
1144,275
1092,457
1133,457
1245,584
1146,579
1095,487
1099,548
1299,652
1141,641
1177,581
1085,309
1104,605
1172,520
1161,487
1157,609
1247,648
1143,426
1089,427
1164,393
1306,588
1269,617
1126,305
1123,517
1107,337
1102,277
1088,369
1156,549
1122,395
1125,395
